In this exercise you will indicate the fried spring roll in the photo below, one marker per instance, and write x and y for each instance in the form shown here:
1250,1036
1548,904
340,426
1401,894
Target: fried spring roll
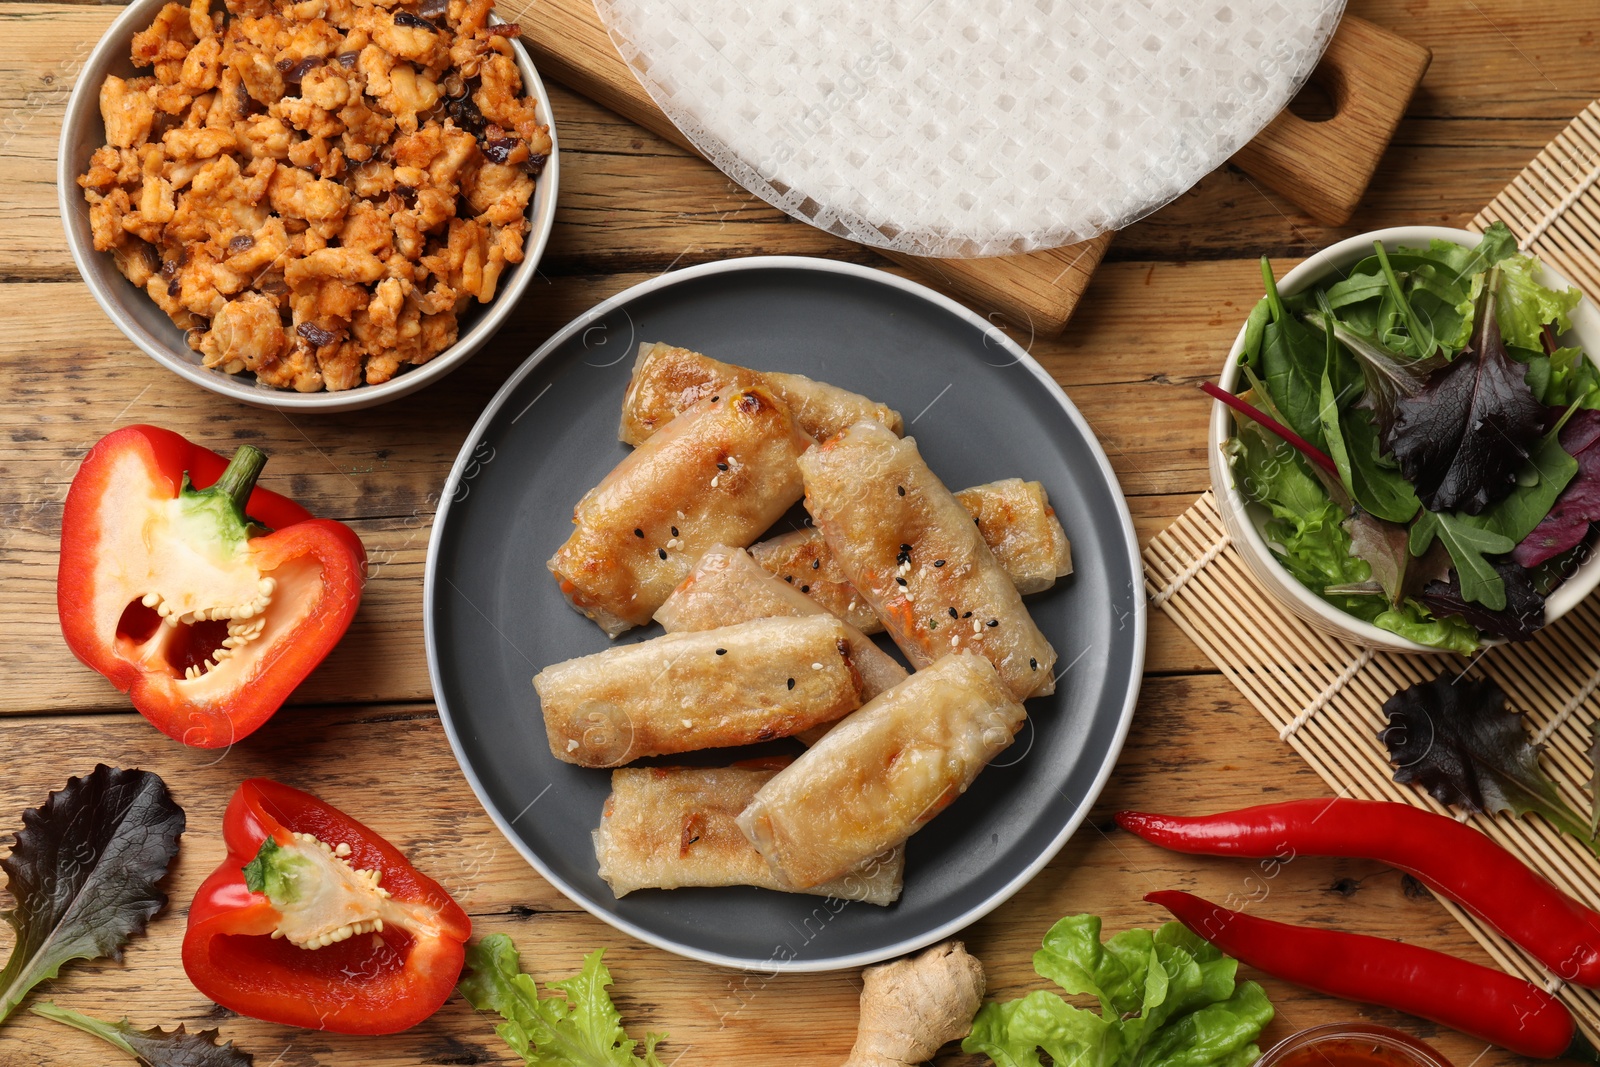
1015,520
1020,527
728,587
880,775
916,556
672,827
720,473
801,558
667,380
734,685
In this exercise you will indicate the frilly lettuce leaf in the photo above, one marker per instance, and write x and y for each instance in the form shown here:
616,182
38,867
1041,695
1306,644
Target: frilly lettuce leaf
1525,305
1167,999
1455,738
578,1027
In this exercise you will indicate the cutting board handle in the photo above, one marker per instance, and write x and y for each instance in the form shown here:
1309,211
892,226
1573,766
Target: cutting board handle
1324,167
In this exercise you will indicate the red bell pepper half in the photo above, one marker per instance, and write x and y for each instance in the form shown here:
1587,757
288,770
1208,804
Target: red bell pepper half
314,920
205,599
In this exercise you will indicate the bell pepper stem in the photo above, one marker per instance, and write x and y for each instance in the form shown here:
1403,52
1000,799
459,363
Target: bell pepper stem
239,480
1582,1049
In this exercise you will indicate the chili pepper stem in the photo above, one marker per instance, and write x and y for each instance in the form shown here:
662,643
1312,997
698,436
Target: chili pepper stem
239,480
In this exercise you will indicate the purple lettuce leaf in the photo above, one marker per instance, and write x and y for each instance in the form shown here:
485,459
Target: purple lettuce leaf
1567,524
1519,620
1462,437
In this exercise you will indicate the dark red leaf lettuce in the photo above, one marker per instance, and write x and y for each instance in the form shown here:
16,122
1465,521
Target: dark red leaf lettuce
1455,738
154,1047
1462,437
1565,527
84,872
1519,620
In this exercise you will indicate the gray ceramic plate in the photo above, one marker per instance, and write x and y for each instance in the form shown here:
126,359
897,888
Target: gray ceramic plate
980,409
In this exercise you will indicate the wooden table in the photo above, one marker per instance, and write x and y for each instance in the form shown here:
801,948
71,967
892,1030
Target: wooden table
362,731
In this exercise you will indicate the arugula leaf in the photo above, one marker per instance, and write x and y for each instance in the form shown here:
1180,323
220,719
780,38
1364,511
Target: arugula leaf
1387,376
84,871
1467,544
1525,305
1461,438
1457,740
1167,999
579,1027
1519,620
1566,521
153,1047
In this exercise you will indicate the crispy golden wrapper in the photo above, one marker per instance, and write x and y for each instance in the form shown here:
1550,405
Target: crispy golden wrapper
880,775
673,827
1015,520
734,685
720,473
668,380
915,554
728,587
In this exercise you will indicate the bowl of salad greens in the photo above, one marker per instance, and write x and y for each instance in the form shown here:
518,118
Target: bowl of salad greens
1406,448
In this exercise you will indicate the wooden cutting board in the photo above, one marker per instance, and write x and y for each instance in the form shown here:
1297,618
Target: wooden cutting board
1368,73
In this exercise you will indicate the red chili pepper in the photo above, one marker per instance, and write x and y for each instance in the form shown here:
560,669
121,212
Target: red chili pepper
314,920
1487,1004
1453,860
171,588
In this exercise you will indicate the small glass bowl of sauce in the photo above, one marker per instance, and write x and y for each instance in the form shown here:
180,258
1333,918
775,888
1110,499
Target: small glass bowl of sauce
1351,1045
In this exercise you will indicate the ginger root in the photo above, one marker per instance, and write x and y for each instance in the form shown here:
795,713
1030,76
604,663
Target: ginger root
912,1006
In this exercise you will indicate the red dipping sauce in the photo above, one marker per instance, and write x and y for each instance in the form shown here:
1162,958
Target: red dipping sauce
1351,1045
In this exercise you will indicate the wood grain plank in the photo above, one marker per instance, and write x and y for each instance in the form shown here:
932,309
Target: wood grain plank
713,1016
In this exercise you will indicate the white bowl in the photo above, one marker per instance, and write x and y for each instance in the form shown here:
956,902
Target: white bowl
146,325
1245,522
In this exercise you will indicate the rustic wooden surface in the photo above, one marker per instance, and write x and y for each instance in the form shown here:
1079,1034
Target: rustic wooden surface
1158,316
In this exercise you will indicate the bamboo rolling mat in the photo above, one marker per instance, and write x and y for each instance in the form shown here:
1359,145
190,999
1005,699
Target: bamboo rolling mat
1325,697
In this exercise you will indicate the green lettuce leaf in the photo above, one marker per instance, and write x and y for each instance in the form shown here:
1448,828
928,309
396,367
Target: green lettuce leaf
1313,543
1571,377
578,1027
1416,623
1167,999
1306,525
1525,305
